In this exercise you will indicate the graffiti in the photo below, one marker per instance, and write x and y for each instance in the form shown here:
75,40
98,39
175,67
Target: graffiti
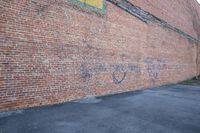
134,68
101,68
88,71
119,69
154,67
85,72
165,66
116,79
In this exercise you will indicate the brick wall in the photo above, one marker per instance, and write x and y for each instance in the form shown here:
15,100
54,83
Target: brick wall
176,12
52,51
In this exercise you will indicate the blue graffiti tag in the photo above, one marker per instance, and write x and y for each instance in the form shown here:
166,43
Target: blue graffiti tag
154,67
134,68
119,69
85,72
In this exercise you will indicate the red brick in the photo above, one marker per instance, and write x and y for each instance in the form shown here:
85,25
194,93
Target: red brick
66,53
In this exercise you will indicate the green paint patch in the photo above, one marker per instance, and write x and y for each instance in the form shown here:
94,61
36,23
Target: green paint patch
88,5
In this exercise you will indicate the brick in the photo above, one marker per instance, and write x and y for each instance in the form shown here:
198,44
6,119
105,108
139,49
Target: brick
53,51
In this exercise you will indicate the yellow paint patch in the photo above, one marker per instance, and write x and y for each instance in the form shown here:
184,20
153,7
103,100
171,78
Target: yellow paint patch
95,3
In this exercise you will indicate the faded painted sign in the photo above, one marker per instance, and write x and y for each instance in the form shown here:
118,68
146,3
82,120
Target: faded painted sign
97,5
94,3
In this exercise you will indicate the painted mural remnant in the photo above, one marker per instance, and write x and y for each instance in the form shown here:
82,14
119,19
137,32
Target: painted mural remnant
96,5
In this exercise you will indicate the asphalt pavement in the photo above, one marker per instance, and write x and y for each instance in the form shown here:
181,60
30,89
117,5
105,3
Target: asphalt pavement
166,109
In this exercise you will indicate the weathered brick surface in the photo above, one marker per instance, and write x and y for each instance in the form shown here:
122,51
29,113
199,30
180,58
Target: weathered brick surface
178,13
51,51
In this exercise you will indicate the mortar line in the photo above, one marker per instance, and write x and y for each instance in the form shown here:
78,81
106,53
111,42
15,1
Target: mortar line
147,17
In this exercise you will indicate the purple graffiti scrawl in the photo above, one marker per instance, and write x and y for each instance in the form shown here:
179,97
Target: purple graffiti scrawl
154,67
119,69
